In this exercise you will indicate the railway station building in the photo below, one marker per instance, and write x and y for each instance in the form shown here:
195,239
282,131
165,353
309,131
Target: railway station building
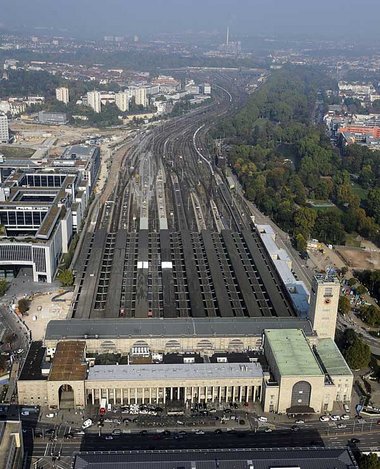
286,370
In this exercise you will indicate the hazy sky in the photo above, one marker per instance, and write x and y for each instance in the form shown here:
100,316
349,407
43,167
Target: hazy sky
91,18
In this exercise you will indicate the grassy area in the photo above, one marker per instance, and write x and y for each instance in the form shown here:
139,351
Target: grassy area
321,204
352,241
359,191
16,152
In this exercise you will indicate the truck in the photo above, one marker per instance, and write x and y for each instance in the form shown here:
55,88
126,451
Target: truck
103,406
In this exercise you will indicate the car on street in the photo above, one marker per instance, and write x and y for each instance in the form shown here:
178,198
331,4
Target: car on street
341,425
335,418
87,423
345,417
300,421
50,416
108,437
324,418
268,430
199,432
262,419
116,431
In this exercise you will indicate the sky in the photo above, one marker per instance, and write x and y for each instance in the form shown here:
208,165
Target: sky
95,18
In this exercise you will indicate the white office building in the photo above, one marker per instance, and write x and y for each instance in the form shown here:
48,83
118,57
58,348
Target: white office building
94,100
122,100
4,129
62,94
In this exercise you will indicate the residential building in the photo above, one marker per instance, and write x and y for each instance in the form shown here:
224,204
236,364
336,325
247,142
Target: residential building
94,101
122,100
139,93
206,88
62,94
4,129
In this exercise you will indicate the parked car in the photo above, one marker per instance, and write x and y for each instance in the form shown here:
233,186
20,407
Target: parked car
199,432
324,418
335,418
262,419
344,417
49,416
300,421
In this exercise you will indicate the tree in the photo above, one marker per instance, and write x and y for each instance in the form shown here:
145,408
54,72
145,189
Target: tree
3,287
361,290
370,314
369,461
373,203
352,281
358,354
23,305
344,306
304,220
328,227
301,244
66,277
344,270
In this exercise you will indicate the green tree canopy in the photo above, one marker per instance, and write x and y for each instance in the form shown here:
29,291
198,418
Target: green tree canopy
358,354
66,277
344,305
23,305
369,461
3,286
370,314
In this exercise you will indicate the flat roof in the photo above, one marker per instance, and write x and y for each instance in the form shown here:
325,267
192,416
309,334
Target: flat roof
68,362
177,371
33,362
292,353
170,327
302,458
332,359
